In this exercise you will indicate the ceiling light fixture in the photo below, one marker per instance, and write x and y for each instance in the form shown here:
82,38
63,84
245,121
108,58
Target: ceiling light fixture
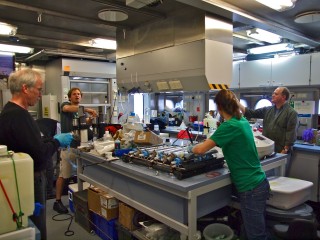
103,43
308,17
263,35
271,48
15,49
112,15
140,3
7,29
279,5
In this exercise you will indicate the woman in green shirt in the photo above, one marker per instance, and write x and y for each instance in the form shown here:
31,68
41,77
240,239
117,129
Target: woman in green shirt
236,140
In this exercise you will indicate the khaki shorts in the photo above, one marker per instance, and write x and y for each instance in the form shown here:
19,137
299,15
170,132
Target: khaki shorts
67,157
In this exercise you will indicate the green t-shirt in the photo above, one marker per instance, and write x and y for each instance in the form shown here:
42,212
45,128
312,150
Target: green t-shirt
235,137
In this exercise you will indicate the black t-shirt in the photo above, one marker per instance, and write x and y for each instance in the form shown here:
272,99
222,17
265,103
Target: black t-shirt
20,133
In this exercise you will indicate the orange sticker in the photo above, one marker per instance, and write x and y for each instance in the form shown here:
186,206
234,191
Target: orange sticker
213,174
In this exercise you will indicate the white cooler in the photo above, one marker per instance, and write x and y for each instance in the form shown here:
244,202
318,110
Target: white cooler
287,192
72,188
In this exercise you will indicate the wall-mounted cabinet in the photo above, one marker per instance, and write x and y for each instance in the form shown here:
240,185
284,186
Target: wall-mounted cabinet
255,73
291,71
286,71
315,69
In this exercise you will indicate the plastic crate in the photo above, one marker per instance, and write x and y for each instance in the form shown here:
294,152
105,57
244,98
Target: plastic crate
288,192
72,188
82,216
105,229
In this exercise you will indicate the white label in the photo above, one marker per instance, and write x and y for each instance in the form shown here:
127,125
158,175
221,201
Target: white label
141,137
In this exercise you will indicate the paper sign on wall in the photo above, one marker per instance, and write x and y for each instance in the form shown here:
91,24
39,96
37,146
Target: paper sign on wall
304,107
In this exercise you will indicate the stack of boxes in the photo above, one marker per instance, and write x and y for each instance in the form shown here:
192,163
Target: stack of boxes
104,210
101,212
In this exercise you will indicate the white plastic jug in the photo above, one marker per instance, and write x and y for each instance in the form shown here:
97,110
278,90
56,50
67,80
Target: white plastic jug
24,172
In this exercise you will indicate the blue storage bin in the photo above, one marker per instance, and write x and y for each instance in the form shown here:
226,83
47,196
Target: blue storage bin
120,152
197,127
105,229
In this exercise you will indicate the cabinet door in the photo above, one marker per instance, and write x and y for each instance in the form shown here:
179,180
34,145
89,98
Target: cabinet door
235,75
315,69
305,166
291,71
95,91
255,73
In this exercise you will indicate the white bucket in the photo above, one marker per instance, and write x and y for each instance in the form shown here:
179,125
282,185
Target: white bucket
214,230
24,172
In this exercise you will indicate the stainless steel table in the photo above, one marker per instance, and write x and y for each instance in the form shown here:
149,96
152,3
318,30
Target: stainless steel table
176,203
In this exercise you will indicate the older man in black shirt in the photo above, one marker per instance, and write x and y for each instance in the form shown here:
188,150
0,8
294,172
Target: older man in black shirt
20,133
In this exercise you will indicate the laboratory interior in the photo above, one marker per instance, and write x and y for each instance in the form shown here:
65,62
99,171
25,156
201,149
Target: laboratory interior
150,73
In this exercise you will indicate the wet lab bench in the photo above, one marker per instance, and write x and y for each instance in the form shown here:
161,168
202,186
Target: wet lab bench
176,203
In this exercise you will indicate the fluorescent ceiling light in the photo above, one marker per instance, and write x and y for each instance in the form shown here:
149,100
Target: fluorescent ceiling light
279,5
103,43
15,49
7,29
263,35
271,48
6,53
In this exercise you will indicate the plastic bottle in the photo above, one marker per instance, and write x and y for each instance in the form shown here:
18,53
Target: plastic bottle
146,117
117,144
156,129
22,171
107,136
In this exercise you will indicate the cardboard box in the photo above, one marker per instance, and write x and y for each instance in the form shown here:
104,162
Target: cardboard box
147,138
109,206
94,199
287,192
103,203
126,215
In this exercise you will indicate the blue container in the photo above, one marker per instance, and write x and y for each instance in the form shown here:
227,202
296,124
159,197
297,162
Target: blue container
105,229
198,127
120,152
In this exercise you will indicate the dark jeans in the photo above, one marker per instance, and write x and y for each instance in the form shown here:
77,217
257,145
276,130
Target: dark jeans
40,192
253,211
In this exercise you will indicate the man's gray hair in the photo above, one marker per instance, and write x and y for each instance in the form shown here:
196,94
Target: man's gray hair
25,76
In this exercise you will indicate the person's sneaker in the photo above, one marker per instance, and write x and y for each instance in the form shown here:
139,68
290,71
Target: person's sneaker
59,207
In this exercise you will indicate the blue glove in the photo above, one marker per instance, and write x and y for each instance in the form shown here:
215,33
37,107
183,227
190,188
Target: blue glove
64,139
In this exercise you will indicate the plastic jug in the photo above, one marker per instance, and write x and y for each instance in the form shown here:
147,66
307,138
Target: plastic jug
24,172
107,136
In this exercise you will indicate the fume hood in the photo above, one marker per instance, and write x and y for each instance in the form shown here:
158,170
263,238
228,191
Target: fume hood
95,79
179,53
